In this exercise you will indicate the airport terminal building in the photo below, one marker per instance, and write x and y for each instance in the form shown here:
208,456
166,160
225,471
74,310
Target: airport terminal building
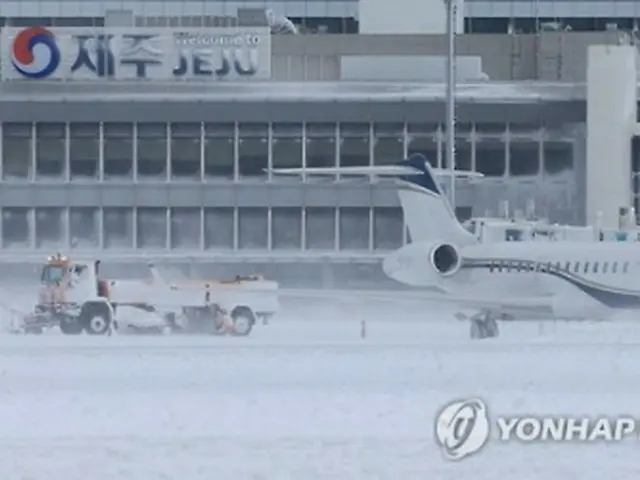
158,140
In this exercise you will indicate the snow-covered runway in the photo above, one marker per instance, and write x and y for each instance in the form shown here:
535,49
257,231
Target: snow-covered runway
307,400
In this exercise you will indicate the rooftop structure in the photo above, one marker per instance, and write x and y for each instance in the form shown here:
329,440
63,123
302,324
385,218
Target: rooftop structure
333,16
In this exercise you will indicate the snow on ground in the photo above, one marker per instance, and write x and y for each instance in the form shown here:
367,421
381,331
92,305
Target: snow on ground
306,398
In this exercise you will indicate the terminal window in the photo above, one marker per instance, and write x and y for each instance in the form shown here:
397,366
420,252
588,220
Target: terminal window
491,157
533,24
118,150
84,150
17,143
186,145
558,157
524,157
219,150
50,150
321,147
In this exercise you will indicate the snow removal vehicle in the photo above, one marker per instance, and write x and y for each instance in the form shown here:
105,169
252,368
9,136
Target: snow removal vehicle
74,297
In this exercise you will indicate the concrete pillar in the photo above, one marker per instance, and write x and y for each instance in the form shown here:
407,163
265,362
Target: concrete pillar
404,17
611,116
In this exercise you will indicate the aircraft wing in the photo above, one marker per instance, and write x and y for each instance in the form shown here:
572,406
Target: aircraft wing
517,305
377,170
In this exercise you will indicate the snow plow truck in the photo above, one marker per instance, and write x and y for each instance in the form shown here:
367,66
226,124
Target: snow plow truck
73,296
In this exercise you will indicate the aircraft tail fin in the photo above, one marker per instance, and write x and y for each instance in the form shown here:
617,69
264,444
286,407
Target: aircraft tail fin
428,214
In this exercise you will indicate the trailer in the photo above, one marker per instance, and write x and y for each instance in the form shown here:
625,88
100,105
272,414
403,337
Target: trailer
242,301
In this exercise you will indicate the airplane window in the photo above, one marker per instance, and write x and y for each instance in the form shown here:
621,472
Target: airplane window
614,267
549,266
576,267
558,266
508,265
491,267
567,267
586,267
604,267
595,267
625,267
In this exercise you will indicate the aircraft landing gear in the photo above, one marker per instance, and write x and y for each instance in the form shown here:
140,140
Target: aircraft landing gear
484,325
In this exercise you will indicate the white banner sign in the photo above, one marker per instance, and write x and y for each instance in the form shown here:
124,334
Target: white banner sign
161,54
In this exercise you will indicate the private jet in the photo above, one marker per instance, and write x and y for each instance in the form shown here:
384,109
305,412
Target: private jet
567,279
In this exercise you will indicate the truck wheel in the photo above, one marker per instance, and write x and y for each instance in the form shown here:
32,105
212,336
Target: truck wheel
97,323
172,324
492,328
243,321
70,327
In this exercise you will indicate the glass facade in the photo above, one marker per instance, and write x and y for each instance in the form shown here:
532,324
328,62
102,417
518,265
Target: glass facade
211,153
309,16
152,152
532,16
223,229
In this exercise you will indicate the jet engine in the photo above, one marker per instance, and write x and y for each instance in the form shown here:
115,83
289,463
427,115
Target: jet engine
423,264
445,259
